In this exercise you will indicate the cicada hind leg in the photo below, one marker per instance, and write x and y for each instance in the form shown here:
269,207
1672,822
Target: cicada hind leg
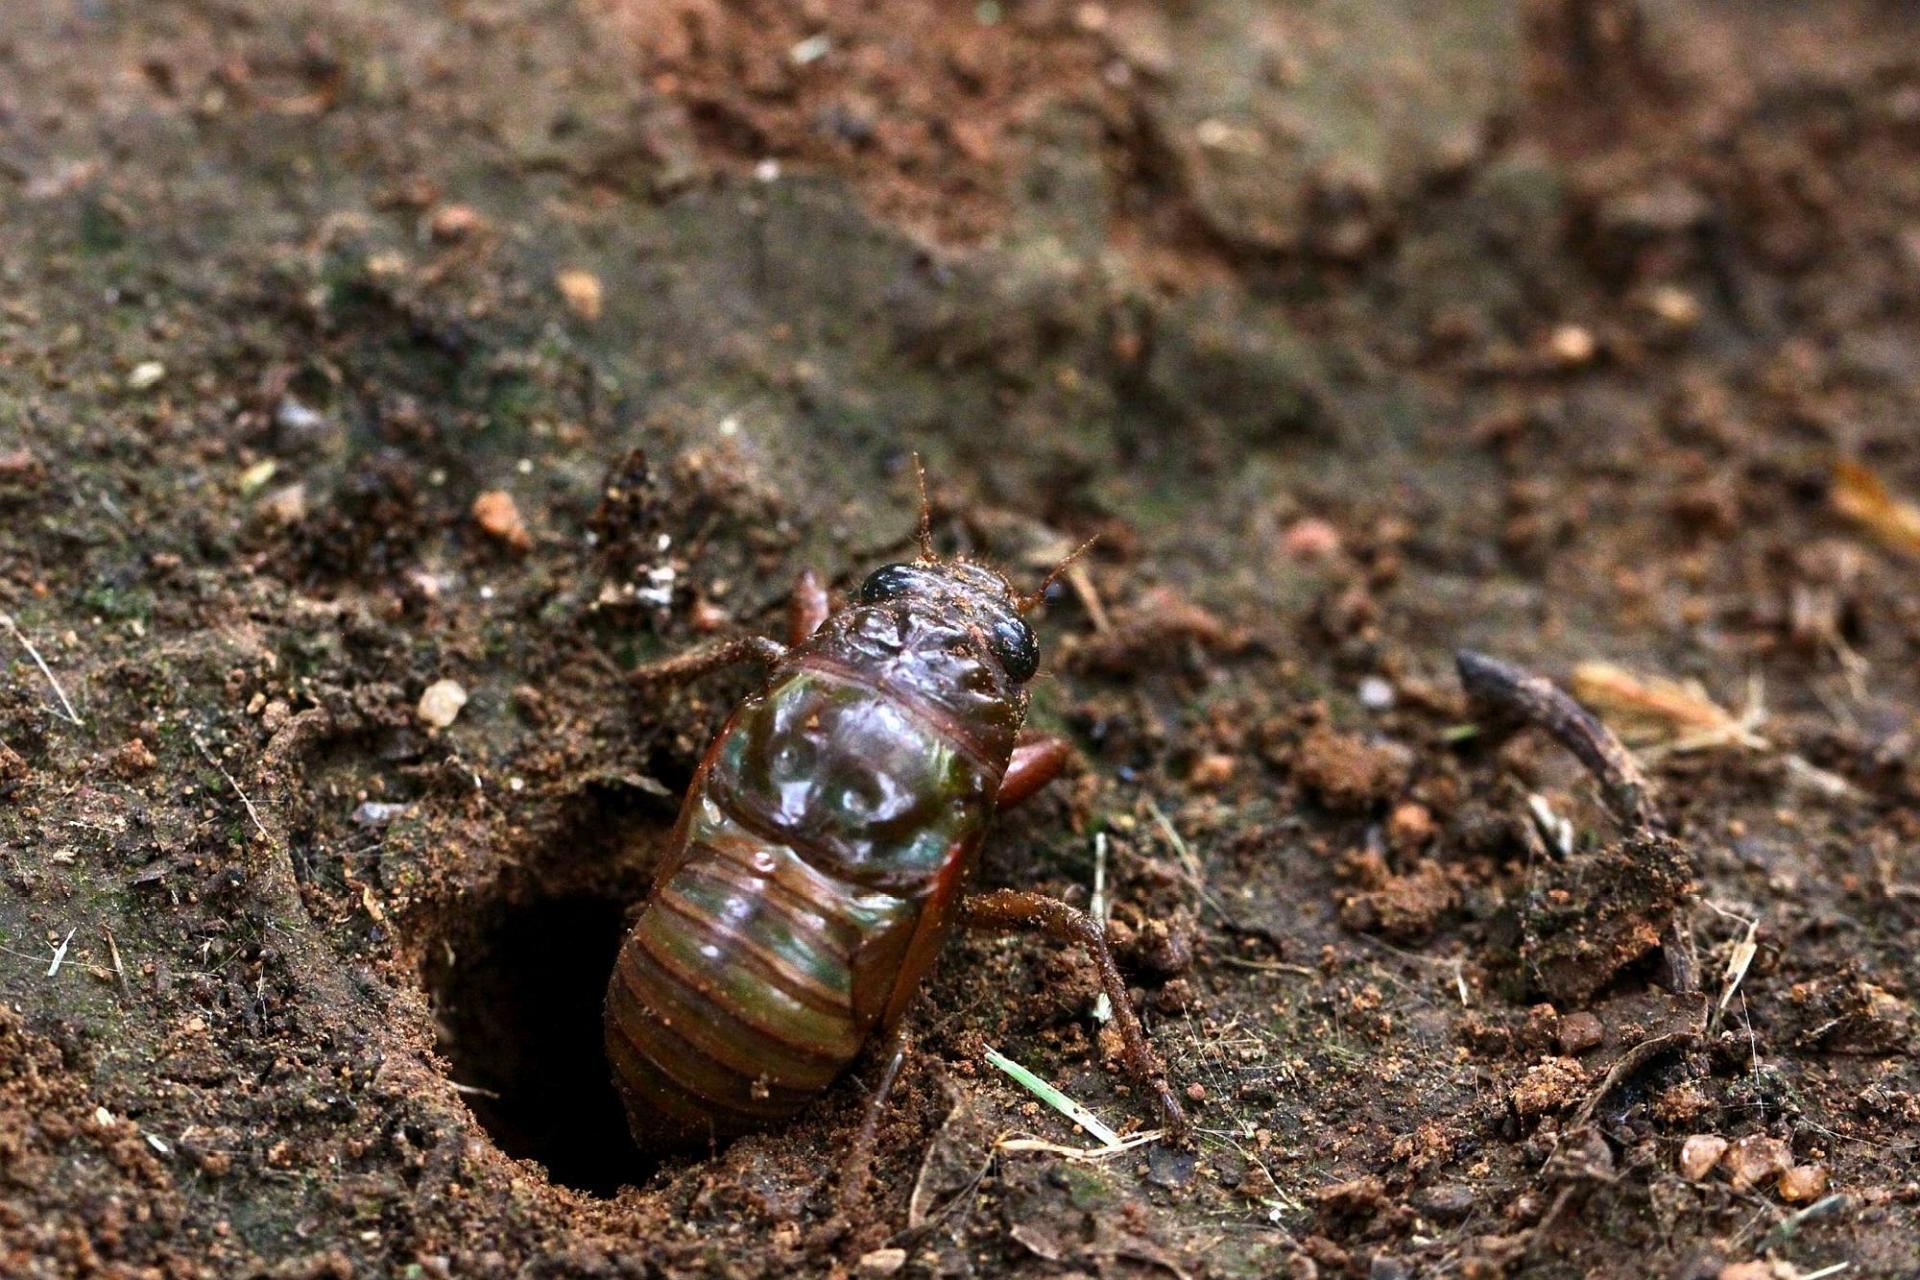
1010,911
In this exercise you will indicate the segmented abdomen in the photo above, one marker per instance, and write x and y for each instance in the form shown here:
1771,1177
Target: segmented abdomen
762,964
732,1001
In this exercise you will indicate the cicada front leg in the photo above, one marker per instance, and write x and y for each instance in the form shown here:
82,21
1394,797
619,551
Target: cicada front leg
807,608
1037,760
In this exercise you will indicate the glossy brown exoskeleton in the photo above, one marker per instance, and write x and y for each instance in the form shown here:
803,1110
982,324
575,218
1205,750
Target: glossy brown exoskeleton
823,853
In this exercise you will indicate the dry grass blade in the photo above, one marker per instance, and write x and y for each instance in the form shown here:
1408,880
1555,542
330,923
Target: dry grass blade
252,812
1127,1144
1863,497
60,954
6,620
1739,959
1671,715
1097,908
119,969
1738,962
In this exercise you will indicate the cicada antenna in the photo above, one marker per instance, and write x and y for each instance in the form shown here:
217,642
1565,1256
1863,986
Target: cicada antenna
1029,603
924,534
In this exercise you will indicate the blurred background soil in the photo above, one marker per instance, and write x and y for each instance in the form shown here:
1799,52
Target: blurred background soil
378,381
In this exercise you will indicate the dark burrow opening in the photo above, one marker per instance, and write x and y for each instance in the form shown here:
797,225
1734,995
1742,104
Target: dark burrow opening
517,997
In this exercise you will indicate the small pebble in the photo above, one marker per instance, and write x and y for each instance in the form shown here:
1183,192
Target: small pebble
1803,1183
1446,1202
1572,344
1384,1268
580,290
1756,1159
1580,1032
1311,539
1212,769
284,508
374,813
255,477
440,704
453,222
1376,694
146,374
1410,827
1699,1154
496,512
810,50
1674,307
300,424
1090,17
1170,1167
882,1262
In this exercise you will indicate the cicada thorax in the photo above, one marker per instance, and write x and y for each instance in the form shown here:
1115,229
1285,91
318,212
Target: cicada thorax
824,837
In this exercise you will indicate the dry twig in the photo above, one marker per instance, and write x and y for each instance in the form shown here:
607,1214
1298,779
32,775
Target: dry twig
1515,694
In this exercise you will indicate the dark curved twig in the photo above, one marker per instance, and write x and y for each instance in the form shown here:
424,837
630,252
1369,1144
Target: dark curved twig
1515,694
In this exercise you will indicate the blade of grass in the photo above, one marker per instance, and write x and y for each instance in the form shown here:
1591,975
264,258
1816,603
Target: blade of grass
1053,1097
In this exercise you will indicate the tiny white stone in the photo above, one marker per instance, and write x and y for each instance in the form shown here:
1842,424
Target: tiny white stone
375,813
1376,694
146,374
291,415
440,704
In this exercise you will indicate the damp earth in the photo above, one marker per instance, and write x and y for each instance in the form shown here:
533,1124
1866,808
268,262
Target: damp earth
379,383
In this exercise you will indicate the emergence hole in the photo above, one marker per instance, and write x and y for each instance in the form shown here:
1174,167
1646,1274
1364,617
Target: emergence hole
519,1015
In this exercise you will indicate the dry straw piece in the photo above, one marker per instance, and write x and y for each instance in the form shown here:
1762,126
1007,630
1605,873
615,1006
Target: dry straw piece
1673,715
1863,497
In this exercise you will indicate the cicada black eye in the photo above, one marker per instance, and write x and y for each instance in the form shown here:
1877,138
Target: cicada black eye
1014,645
890,582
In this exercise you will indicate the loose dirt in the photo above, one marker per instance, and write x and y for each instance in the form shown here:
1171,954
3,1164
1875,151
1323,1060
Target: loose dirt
350,351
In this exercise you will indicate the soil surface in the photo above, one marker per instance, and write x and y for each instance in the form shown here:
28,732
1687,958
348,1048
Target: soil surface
380,381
